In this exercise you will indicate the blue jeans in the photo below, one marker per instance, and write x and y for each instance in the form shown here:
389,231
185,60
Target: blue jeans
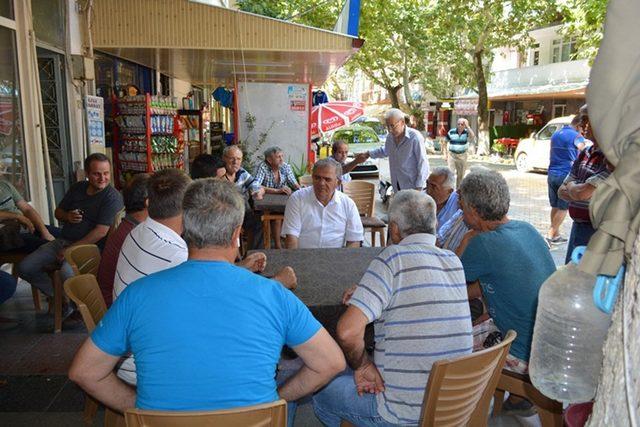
581,232
339,400
7,286
31,268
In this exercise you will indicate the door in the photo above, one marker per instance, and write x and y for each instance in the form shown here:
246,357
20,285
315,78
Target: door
51,73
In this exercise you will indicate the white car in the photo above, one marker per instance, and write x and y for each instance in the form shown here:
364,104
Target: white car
533,152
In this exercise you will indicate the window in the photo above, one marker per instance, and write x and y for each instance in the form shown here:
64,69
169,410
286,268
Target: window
6,8
548,131
534,55
559,110
48,21
562,50
12,159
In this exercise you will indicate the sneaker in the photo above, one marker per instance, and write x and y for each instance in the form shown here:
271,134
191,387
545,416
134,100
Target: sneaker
559,240
523,408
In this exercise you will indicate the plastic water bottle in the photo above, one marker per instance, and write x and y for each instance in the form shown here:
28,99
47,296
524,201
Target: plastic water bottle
569,333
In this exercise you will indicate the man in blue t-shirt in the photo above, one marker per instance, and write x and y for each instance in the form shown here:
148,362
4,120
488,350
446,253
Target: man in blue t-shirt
566,143
508,259
206,334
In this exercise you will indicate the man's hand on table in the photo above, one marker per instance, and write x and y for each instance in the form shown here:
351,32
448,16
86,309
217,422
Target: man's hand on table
346,296
285,190
258,195
255,262
287,277
368,379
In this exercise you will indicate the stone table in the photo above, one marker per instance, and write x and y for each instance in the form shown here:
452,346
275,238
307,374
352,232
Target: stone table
271,207
323,276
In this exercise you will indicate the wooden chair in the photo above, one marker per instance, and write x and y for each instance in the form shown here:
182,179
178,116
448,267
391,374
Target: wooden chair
363,194
549,410
305,181
14,258
83,289
268,415
117,220
459,391
84,259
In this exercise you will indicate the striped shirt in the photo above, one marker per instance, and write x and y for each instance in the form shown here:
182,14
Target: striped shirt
590,167
448,210
450,234
416,295
266,177
150,247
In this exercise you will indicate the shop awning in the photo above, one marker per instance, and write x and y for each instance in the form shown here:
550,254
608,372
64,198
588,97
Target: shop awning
209,45
559,80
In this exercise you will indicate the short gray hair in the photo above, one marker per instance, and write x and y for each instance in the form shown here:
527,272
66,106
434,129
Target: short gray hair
336,144
487,192
271,151
450,181
394,113
328,162
413,212
230,148
212,210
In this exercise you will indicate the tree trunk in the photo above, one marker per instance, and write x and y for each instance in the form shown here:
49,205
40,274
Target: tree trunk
393,95
483,106
611,407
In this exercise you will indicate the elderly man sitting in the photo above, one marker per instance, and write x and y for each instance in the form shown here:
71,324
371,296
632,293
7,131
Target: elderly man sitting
319,216
339,153
247,185
440,186
206,334
276,177
508,258
416,296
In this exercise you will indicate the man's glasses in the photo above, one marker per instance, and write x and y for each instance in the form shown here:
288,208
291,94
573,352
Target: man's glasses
393,126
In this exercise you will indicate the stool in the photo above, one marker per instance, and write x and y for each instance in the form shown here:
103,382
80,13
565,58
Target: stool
549,410
376,225
14,258
267,217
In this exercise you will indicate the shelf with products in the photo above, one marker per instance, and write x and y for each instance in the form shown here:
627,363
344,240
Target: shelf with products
147,136
193,134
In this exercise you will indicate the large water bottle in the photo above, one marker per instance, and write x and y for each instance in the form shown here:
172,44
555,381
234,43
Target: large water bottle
569,333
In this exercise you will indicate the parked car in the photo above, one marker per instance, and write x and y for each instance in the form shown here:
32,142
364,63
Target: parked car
379,128
360,138
533,153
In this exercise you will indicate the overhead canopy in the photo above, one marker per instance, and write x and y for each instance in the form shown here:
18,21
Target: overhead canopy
208,45
558,80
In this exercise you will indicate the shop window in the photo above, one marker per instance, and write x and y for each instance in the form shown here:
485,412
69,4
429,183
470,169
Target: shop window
49,22
6,9
165,85
562,50
12,160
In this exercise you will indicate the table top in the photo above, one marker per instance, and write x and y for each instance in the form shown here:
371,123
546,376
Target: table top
323,274
274,203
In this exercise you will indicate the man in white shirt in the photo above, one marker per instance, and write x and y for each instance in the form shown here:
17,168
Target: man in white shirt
340,152
319,216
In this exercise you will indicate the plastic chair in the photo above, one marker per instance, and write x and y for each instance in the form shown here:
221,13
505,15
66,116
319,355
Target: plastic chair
83,259
363,194
85,292
549,410
306,181
269,414
459,391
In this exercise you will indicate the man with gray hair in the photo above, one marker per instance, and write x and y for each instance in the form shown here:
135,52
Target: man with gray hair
504,260
207,334
319,216
441,187
339,153
415,294
459,139
405,149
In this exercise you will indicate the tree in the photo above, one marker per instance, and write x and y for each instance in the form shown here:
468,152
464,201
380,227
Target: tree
317,14
584,21
466,32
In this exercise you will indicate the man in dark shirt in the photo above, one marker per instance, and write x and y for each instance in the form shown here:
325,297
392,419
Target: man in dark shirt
86,212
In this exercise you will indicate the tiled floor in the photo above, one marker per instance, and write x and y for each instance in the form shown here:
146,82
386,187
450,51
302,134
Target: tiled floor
34,388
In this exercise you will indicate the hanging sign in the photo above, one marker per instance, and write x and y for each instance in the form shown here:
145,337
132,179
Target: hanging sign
94,107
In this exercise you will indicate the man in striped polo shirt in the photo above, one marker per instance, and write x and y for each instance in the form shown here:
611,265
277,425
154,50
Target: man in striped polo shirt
416,295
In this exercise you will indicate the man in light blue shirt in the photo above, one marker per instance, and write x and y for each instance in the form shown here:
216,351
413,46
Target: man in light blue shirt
440,186
405,149
206,334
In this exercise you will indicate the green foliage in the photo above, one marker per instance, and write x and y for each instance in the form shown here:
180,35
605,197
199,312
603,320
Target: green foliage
499,148
584,21
298,169
317,13
251,150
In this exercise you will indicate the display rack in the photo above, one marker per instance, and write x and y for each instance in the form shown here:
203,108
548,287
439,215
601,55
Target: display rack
193,135
147,136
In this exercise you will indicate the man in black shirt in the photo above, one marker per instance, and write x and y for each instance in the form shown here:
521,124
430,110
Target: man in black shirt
86,213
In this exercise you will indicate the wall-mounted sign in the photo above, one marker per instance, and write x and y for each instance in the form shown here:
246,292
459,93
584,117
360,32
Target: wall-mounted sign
94,107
